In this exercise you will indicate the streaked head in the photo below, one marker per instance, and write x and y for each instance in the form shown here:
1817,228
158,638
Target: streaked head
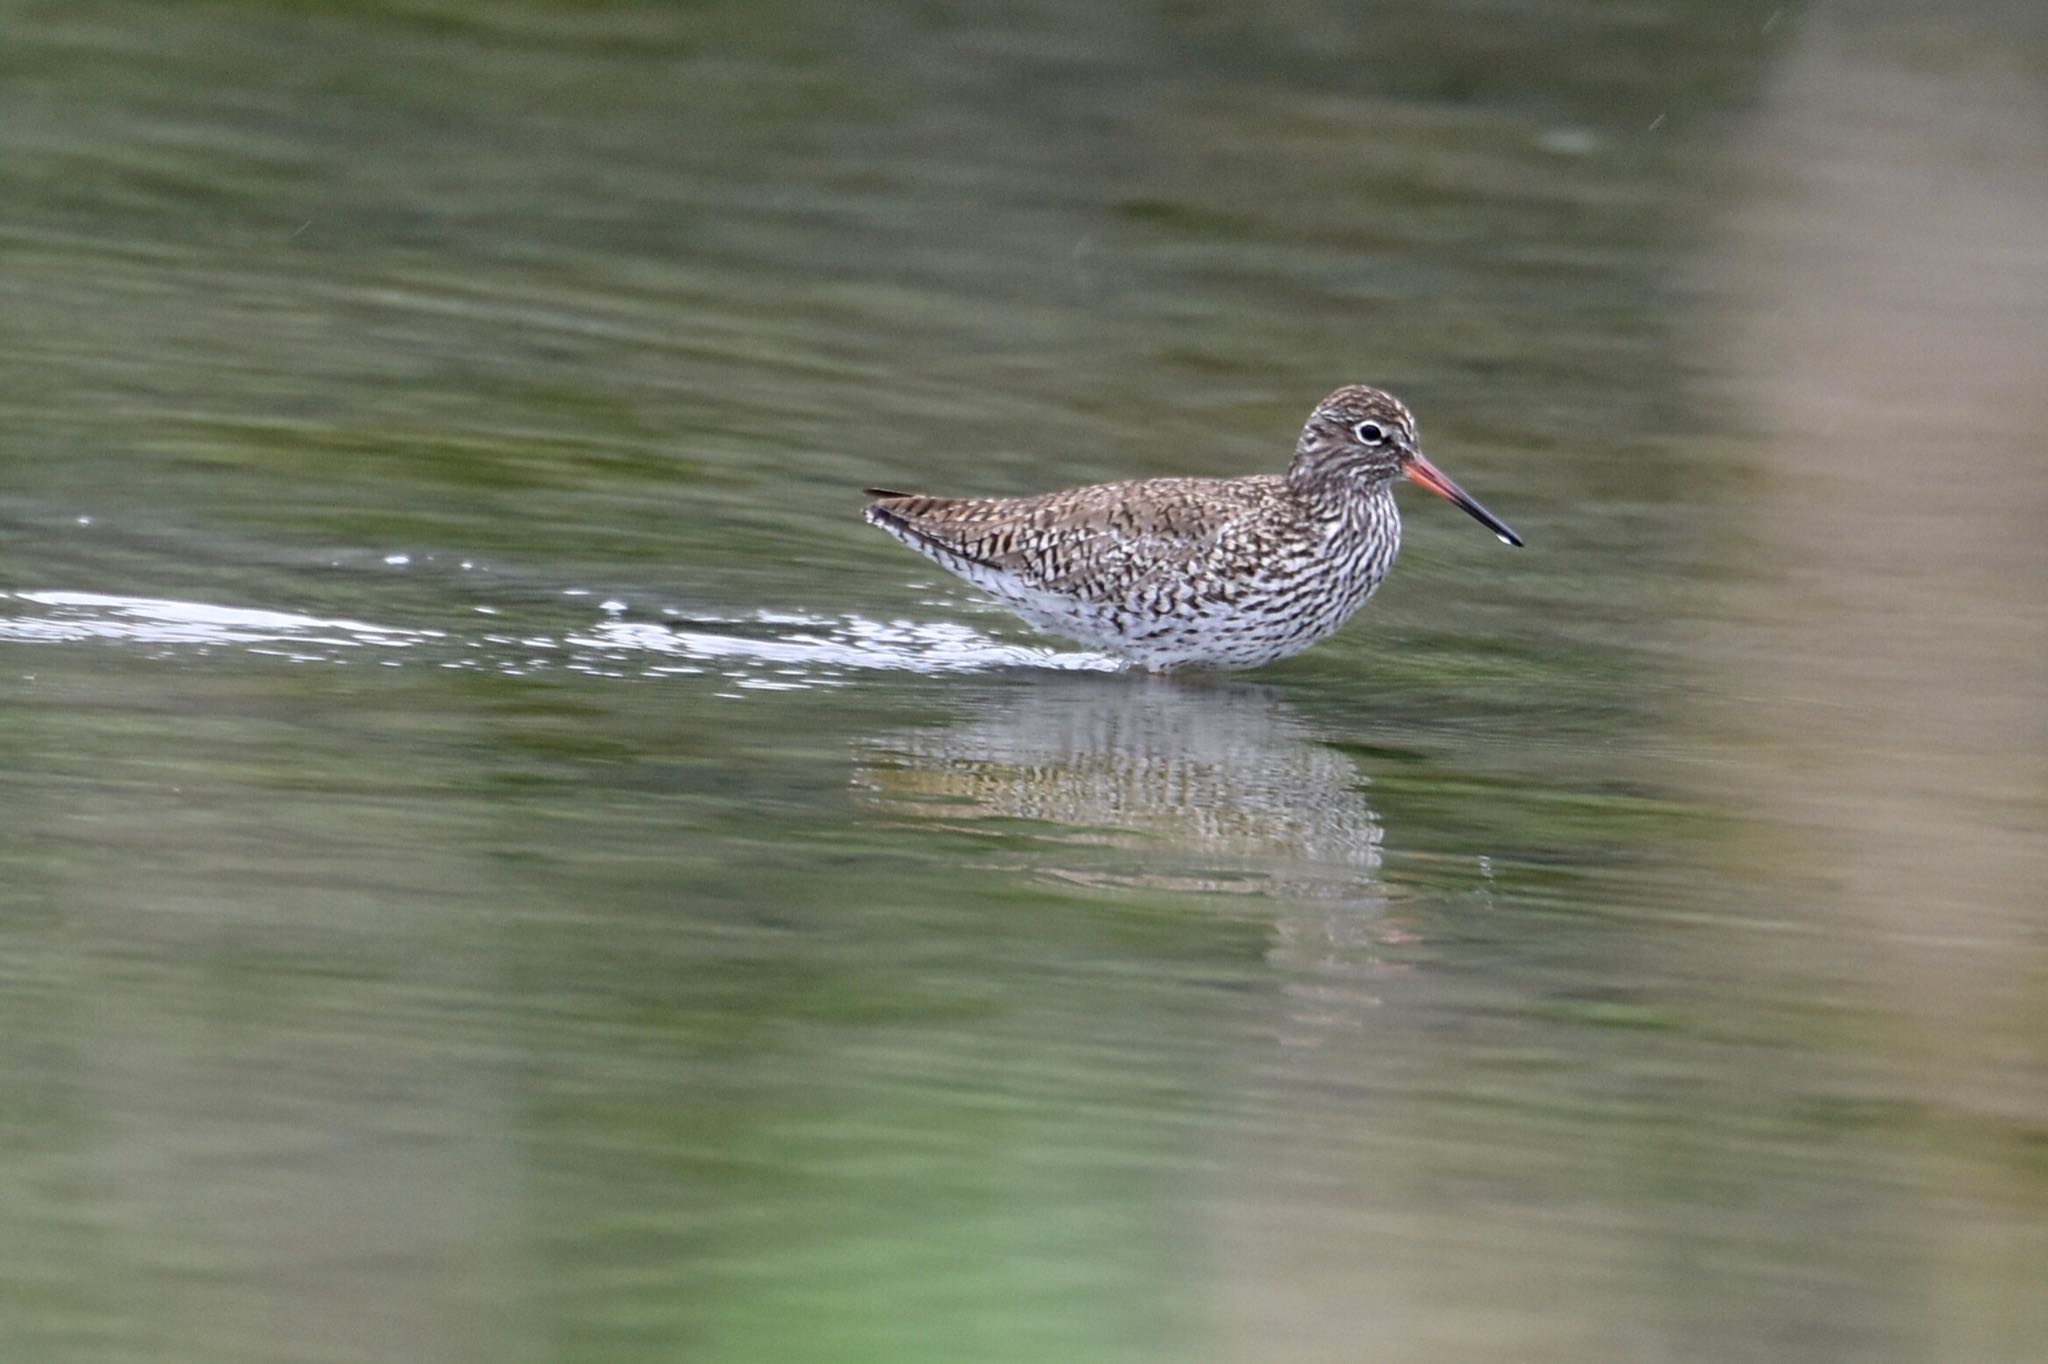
1366,437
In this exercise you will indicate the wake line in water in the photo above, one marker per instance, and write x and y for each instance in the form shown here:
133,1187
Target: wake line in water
77,616
765,651
824,648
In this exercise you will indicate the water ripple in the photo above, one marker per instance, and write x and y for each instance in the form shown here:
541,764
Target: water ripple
766,650
78,616
819,651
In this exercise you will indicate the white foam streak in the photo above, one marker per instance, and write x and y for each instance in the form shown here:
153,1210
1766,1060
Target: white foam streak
156,620
768,650
808,655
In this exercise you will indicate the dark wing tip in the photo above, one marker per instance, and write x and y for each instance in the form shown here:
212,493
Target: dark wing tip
940,542
884,492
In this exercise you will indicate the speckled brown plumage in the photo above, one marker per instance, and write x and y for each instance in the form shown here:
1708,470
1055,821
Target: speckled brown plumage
1223,572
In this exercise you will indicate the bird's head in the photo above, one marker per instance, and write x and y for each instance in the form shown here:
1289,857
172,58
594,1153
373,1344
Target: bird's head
1363,438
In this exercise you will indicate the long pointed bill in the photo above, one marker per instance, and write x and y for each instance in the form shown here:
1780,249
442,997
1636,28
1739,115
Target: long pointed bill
1434,479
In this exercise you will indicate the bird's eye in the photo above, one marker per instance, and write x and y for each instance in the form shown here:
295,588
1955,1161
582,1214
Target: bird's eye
1369,433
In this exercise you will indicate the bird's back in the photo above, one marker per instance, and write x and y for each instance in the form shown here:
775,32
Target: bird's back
1097,542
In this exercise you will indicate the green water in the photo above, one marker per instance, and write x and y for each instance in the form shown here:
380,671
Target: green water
499,864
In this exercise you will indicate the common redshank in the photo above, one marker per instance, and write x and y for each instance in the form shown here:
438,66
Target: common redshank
1218,572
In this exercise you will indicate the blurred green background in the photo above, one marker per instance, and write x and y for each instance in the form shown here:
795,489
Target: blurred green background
499,864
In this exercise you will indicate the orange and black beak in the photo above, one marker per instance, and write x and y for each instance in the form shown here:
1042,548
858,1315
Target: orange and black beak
1434,479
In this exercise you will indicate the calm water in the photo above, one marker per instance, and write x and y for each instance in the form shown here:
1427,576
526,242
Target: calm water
500,865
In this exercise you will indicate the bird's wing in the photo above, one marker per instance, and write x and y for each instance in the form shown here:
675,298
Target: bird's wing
1108,536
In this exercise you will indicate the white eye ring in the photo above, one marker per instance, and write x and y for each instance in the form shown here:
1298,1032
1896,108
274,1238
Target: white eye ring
1370,433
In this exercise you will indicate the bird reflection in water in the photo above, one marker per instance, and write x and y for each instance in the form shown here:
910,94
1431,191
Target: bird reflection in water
1192,786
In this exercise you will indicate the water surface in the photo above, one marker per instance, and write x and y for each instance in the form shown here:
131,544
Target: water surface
502,865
